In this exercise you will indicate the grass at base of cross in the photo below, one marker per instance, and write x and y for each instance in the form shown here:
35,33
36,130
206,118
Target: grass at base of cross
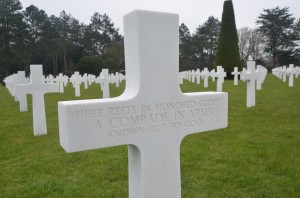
258,155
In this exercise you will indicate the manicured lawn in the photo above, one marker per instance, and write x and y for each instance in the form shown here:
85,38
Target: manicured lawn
258,155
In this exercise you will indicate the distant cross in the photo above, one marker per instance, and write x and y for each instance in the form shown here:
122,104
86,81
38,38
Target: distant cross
85,80
76,80
51,79
117,79
262,72
220,75
104,80
190,75
236,74
193,76
251,77
22,97
297,71
205,75
291,72
283,73
91,78
198,76
9,83
37,87
152,116
62,81
212,75
244,71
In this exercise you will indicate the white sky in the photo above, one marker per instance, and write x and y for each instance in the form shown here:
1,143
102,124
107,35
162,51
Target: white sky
191,12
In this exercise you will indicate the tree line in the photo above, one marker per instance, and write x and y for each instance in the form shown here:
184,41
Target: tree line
64,44
61,44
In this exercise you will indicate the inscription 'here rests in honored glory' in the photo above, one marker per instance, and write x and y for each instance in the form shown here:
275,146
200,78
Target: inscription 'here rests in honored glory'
152,116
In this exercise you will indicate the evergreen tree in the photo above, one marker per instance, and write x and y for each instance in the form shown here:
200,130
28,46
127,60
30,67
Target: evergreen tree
280,32
228,50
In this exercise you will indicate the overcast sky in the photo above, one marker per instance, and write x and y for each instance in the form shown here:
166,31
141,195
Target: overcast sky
191,12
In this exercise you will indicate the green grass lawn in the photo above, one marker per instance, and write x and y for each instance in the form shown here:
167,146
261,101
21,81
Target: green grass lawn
258,155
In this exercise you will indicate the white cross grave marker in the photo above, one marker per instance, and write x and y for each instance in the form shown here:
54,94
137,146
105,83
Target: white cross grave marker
262,73
37,87
251,77
22,97
91,78
198,76
212,75
236,74
62,81
205,75
291,72
283,73
220,75
76,80
104,79
297,72
85,80
152,116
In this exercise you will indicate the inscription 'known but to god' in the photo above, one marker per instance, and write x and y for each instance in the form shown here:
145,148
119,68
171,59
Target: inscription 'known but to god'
132,120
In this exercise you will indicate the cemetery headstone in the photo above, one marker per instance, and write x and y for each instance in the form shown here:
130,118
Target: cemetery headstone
205,75
220,75
283,73
152,116
85,80
297,71
291,72
198,76
236,74
212,75
37,87
76,80
104,80
62,80
251,77
22,97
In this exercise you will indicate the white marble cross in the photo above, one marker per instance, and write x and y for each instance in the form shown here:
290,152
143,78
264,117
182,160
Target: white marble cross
22,98
262,73
152,116
76,80
10,81
283,73
91,78
212,75
104,80
198,76
50,79
251,76
220,75
62,81
205,74
244,70
85,80
193,76
37,87
291,72
236,74
297,71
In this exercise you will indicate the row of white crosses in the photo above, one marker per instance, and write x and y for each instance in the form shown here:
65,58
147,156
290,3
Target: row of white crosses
195,76
10,83
291,71
104,79
37,85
